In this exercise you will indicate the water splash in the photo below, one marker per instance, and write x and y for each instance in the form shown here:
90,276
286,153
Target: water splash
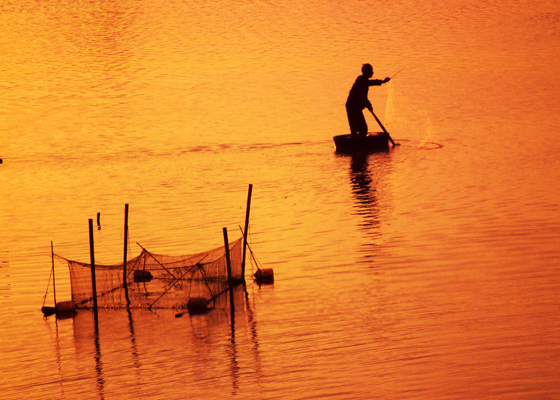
429,129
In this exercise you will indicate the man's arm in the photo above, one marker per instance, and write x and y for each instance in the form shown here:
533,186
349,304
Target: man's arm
378,82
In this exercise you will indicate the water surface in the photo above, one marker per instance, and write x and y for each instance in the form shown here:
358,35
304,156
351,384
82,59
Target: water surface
430,271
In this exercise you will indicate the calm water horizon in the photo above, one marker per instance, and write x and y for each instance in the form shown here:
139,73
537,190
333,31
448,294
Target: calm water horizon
430,271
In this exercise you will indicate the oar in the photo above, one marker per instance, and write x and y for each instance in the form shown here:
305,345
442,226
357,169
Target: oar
382,127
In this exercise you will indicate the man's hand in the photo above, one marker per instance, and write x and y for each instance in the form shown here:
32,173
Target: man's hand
387,80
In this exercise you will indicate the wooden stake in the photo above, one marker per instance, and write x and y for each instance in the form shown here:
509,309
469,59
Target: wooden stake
245,232
228,261
125,284
53,284
230,282
93,284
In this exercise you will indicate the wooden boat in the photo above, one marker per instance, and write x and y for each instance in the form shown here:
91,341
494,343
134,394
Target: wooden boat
373,142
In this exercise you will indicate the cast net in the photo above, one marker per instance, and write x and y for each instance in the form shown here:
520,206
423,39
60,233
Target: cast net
408,118
156,280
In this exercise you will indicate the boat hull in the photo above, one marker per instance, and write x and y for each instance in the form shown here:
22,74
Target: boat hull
373,142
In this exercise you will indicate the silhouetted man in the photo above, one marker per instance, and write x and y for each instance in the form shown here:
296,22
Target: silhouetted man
358,100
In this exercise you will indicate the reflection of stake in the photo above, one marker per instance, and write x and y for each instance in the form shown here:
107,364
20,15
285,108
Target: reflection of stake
382,127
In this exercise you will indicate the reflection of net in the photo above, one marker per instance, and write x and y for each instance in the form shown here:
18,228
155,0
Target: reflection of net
156,280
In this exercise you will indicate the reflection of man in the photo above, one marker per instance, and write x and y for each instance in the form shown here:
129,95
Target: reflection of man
358,100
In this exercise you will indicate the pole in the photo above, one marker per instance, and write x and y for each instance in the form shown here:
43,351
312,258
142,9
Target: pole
53,284
245,232
93,285
125,284
228,261
230,282
382,127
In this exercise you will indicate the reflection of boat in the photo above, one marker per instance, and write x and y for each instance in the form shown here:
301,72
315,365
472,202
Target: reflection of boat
368,171
374,141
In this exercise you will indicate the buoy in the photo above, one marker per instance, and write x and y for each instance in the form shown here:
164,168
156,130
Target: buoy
264,276
48,311
63,310
141,275
65,306
197,305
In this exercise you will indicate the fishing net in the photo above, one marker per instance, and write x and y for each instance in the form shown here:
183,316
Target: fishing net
156,280
407,118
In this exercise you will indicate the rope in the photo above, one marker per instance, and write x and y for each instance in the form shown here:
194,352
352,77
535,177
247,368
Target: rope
156,260
181,277
47,291
251,251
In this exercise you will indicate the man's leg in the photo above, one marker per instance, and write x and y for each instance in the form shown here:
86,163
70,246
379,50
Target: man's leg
356,120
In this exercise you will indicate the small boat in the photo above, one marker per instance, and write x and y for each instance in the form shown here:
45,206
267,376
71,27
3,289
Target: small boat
373,142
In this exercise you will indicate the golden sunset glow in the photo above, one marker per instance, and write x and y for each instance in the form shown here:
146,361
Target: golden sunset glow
426,271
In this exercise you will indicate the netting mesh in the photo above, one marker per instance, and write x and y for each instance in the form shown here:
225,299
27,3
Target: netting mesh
156,280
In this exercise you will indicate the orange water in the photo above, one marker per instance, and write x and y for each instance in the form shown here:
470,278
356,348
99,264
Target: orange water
428,272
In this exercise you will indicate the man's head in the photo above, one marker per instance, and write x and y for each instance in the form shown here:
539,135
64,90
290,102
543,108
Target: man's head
367,70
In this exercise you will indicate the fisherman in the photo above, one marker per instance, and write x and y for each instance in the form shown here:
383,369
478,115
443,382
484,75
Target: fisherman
358,100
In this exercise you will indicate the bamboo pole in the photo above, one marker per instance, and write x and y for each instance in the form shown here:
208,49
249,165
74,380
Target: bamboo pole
125,284
245,232
93,284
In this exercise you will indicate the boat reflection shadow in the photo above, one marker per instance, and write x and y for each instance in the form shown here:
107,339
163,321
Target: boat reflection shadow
366,173
201,347
363,187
